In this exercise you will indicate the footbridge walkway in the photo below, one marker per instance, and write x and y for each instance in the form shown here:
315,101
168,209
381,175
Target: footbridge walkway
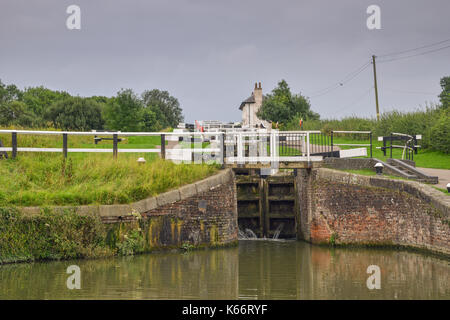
252,149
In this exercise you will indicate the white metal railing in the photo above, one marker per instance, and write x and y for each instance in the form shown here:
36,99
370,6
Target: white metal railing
369,133
263,145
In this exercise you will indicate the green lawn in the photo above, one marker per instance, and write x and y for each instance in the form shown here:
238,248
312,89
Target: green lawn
424,158
442,190
370,172
35,179
87,178
55,141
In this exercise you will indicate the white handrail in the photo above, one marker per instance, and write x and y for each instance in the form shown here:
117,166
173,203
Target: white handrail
119,133
338,131
236,139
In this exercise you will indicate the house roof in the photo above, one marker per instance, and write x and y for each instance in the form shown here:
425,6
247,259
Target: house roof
250,99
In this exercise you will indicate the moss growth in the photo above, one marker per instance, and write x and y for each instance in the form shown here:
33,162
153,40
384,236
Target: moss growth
50,236
213,235
333,239
132,243
187,247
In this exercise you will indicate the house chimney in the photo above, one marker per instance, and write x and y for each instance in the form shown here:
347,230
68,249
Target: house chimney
258,95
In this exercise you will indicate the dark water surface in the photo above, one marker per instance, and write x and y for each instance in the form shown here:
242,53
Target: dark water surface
254,270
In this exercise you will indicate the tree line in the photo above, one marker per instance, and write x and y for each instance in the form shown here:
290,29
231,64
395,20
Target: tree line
40,107
287,108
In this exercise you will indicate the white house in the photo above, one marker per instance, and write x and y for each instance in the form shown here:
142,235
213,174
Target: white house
250,107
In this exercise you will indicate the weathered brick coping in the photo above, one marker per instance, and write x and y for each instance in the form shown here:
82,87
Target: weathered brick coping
145,205
419,190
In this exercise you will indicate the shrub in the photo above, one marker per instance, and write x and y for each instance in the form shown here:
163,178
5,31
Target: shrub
440,133
50,236
432,123
412,123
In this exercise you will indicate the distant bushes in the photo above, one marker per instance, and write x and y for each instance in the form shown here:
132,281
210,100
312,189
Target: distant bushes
433,124
440,133
75,113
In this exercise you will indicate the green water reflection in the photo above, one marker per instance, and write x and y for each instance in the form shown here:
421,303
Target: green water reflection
255,270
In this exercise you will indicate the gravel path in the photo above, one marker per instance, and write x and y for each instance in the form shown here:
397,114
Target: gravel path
443,174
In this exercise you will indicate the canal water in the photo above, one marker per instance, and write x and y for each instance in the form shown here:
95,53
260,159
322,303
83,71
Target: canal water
254,270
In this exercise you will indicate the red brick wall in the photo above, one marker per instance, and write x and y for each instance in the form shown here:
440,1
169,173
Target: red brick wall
353,211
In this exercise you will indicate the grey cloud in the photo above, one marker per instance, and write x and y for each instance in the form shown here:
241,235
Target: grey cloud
208,53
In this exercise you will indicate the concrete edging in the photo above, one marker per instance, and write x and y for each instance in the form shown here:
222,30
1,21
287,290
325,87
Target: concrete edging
145,205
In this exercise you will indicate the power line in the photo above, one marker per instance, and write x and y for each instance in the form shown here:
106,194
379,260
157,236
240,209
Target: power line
410,92
341,83
366,92
399,55
415,55
414,49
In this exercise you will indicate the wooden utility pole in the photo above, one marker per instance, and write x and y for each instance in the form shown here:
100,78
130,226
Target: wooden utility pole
376,87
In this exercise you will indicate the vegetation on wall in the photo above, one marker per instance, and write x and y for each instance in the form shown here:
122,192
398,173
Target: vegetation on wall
50,236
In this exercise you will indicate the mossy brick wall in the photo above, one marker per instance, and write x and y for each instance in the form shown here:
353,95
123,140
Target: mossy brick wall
351,209
202,214
207,218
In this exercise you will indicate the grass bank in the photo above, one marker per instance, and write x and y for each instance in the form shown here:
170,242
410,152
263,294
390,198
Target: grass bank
40,179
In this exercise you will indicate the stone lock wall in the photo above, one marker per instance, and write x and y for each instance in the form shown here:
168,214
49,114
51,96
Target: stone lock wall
202,214
206,218
345,208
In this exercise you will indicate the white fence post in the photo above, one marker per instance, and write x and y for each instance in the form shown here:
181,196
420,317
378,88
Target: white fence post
308,156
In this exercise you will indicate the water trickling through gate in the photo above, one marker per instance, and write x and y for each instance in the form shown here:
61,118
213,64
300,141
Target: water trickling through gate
267,207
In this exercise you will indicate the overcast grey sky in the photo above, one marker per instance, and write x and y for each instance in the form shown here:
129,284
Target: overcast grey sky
209,53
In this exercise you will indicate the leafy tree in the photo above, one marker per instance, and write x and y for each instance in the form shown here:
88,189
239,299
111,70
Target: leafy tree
42,107
76,113
445,94
164,106
124,112
39,100
282,106
16,113
9,93
150,121
101,99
